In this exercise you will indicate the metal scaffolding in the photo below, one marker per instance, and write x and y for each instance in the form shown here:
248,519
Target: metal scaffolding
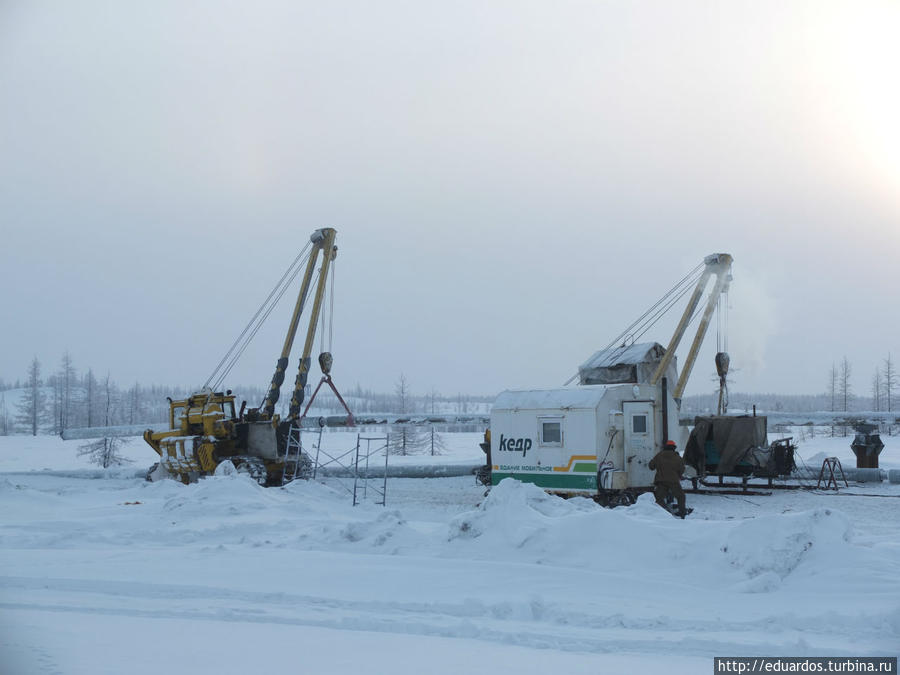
354,469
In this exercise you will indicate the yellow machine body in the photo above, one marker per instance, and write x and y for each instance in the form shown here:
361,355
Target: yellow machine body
204,431
203,428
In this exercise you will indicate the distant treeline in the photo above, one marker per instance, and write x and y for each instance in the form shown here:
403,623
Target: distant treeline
69,398
805,403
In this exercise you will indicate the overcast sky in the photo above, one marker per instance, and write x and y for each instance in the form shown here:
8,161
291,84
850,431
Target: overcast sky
512,183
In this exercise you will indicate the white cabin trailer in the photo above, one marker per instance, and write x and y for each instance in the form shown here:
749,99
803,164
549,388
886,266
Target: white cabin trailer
598,438
587,439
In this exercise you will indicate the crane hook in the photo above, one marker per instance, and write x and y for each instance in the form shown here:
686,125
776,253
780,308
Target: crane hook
325,361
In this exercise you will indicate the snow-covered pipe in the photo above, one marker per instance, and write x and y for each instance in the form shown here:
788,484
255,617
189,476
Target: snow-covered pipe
408,471
111,432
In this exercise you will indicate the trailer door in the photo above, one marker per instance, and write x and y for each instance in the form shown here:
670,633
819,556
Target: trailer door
640,445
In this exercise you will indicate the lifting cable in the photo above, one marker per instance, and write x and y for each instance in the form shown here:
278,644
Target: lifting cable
651,316
227,362
722,347
725,322
331,305
322,318
722,322
687,281
651,321
246,343
719,324
326,337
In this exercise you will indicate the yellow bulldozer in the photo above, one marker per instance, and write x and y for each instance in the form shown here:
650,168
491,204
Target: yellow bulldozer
205,431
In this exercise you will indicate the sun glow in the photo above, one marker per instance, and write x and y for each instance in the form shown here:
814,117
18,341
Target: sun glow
861,55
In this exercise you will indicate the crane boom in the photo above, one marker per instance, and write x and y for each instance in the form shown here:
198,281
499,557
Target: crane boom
329,251
323,242
720,265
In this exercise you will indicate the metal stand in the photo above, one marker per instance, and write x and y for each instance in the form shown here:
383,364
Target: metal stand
828,473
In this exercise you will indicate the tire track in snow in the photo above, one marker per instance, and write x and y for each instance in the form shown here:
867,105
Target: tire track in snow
530,623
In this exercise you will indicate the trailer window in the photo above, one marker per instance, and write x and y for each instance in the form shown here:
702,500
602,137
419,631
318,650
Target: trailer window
639,424
551,432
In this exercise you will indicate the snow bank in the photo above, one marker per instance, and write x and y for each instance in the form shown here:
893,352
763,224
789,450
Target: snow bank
769,548
521,569
521,522
227,494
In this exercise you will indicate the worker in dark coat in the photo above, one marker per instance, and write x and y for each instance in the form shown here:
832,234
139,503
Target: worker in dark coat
484,473
669,466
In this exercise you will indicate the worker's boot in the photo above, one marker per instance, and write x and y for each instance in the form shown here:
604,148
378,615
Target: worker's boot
682,506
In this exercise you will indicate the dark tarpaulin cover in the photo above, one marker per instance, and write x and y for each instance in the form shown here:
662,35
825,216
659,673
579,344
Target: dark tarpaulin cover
634,363
732,436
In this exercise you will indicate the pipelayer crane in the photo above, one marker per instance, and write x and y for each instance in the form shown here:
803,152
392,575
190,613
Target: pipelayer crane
204,429
597,439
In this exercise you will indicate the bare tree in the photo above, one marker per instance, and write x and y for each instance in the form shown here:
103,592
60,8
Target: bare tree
437,444
90,395
32,408
66,380
406,439
402,395
832,385
134,403
105,451
844,387
432,398
890,380
4,417
876,390
55,404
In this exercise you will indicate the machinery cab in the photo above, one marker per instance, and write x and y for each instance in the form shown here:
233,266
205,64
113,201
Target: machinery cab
197,425
203,413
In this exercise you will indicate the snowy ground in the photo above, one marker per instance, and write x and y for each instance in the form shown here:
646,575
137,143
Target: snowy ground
112,574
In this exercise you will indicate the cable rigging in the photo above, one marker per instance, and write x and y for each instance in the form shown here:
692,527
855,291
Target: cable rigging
228,361
649,318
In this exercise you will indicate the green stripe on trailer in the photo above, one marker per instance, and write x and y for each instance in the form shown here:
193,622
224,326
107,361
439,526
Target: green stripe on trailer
560,481
585,467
